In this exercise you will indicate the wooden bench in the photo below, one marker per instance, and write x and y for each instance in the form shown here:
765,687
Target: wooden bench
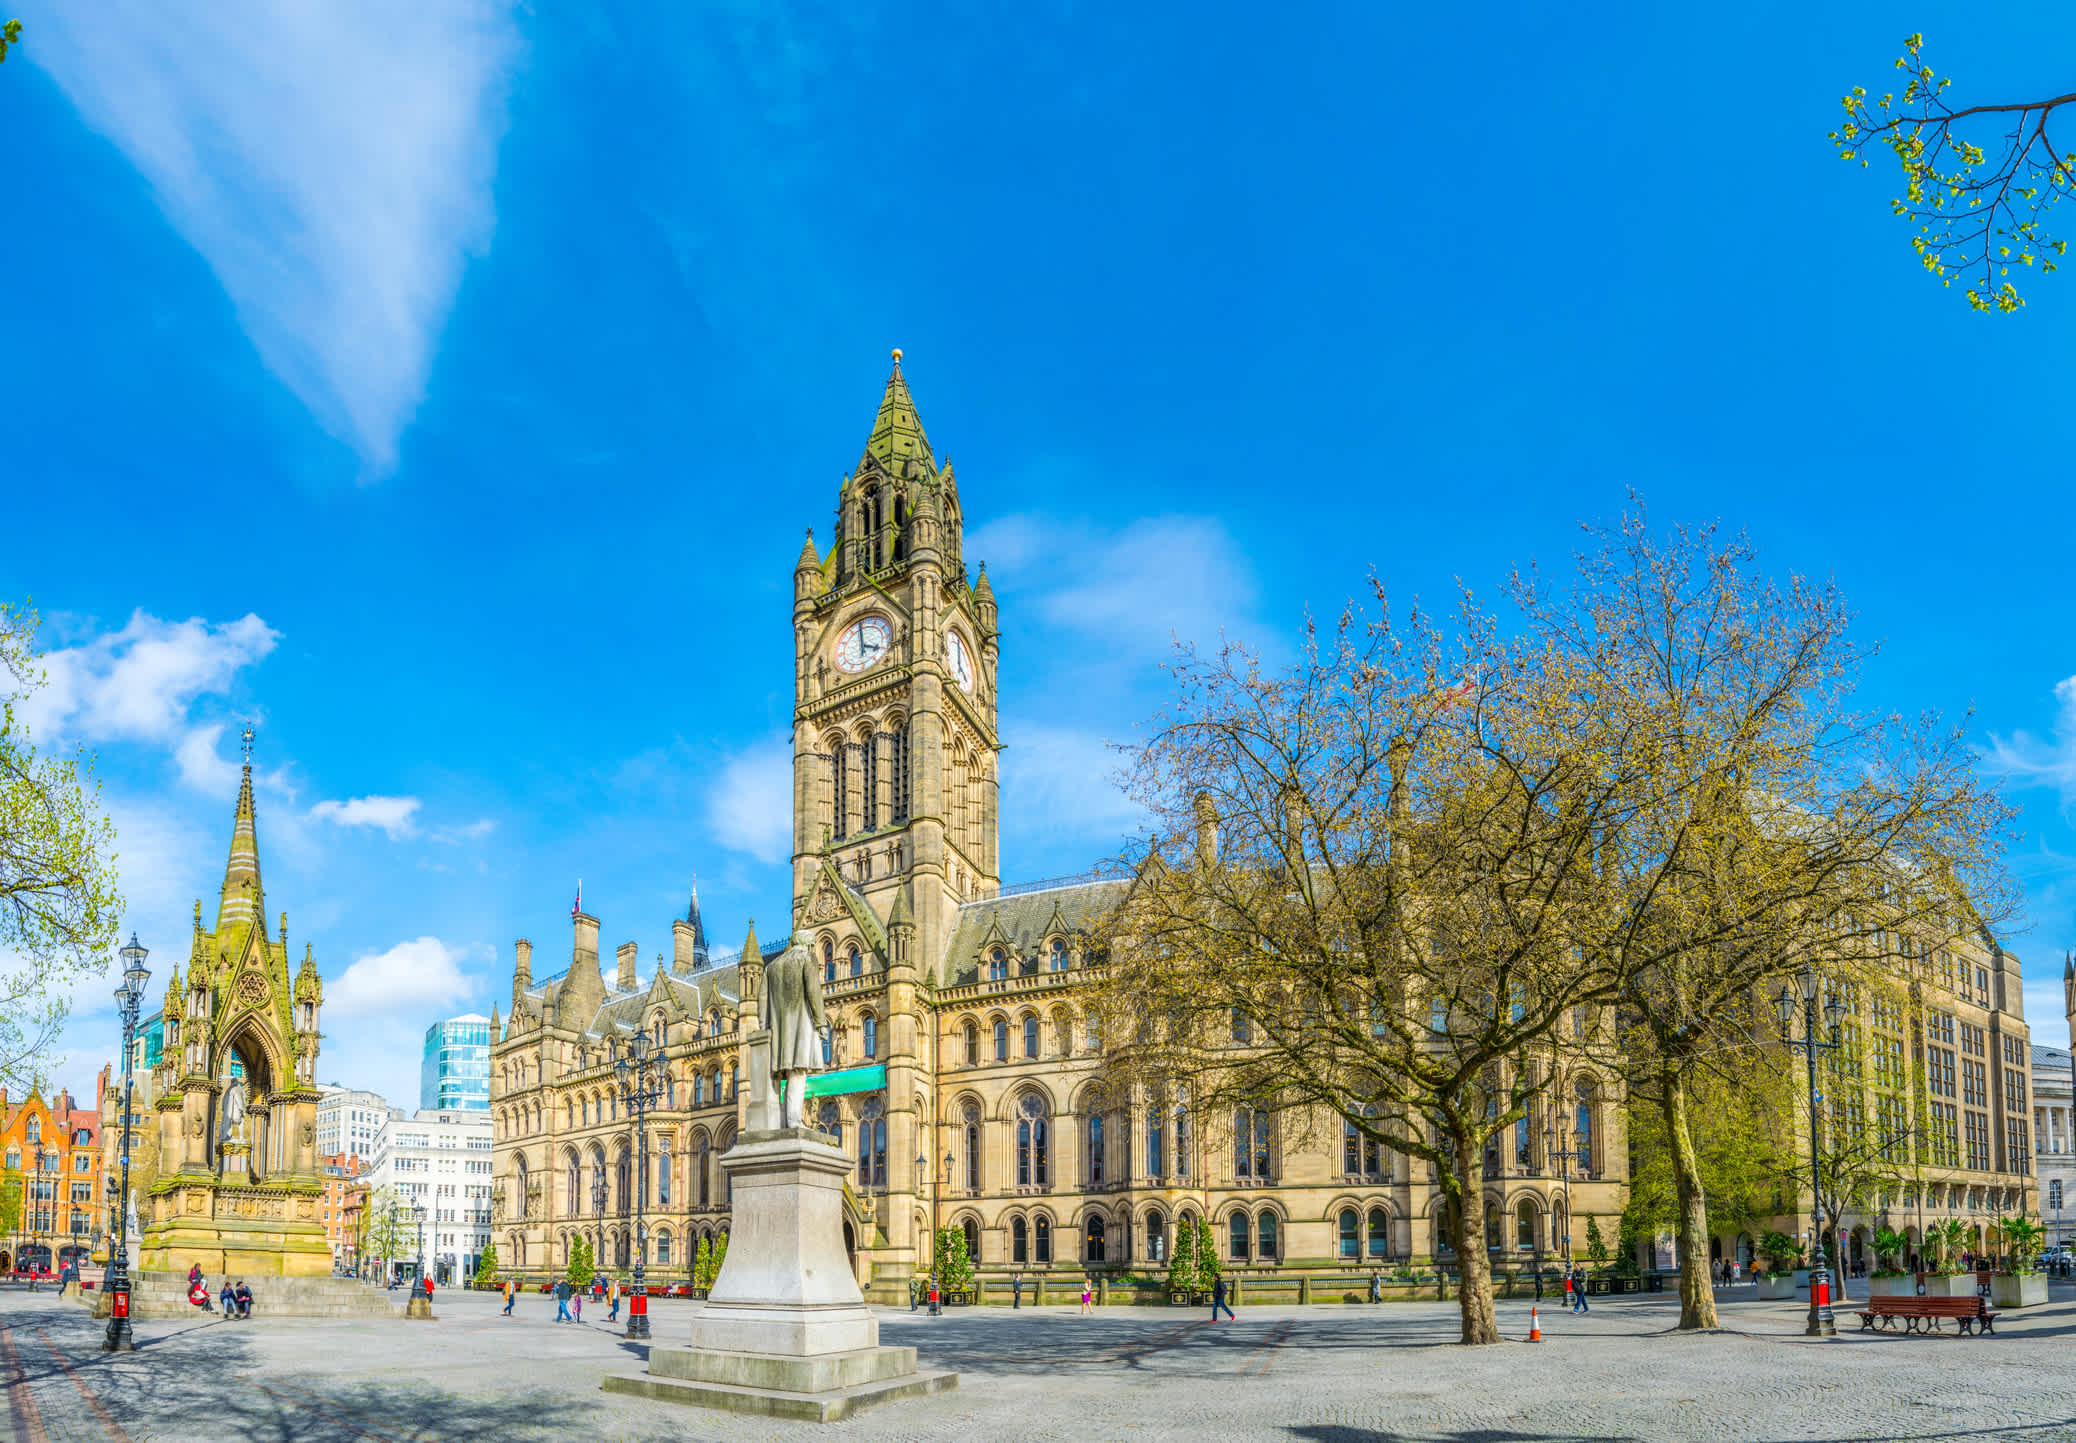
1923,1314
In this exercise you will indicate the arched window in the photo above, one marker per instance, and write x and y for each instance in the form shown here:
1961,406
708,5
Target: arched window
1351,1240
1001,1040
663,1249
1524,1227
663,1178
1181,1142
972,1036
1582,1139
1265,1237
1156,1237
972,1230
872,1144
1030,1037
698,1089
584,1111
1095,1241
1019,1241
623,1184
972,1138
1042,1251
1059,954
1156,1152
1492,1243
1236,1237
998,965
1251,1143
871,1030
829,947
857,961
699,1160
1360,1155
576,1185
1380,1233
35,1132
831,1121
1243,1031
734,1080
829,1047
1031,1142
1095,1149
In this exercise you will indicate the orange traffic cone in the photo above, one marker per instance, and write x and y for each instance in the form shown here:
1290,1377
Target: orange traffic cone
1535,1325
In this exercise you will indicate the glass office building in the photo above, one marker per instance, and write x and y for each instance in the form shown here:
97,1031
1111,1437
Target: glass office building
455,1075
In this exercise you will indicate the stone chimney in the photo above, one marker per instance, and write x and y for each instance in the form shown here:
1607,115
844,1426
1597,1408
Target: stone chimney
630,958
683,947
522,967
1207,830
584,945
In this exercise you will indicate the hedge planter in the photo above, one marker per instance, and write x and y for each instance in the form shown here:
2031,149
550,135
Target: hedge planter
1776,1286
1950,1285
2018,1290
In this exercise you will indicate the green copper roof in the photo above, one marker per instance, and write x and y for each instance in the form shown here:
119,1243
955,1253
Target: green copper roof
897,432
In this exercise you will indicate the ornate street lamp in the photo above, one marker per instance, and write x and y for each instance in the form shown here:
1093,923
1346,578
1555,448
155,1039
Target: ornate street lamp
1557,1146
1822,1324
640,1071
418,1211
129,997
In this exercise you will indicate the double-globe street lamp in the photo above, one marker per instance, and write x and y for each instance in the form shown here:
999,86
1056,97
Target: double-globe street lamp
129,998
1821,1322
1557,1147
639,1070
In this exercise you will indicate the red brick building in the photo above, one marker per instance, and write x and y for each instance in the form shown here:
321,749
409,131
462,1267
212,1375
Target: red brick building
54,1148
340,1210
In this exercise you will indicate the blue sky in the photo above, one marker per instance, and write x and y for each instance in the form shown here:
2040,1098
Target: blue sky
446,388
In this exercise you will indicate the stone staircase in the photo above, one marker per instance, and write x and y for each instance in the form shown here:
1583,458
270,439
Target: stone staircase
164,1295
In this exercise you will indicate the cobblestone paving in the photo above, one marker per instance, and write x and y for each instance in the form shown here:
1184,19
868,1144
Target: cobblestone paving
1329,1374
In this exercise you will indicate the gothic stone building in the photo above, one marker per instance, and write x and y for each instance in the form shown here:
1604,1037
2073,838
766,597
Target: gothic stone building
972,1088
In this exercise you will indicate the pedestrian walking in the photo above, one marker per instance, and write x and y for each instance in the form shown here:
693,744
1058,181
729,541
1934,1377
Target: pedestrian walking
511,1295
1578,1291
613,1296
562,1292
1087,1297
1218,1300
1538,1286
577,1304
1016,1291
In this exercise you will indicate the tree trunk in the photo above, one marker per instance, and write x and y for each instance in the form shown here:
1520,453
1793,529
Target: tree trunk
1474,1271
1697,1287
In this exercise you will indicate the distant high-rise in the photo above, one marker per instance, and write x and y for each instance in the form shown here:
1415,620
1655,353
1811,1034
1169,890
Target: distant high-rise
455,1075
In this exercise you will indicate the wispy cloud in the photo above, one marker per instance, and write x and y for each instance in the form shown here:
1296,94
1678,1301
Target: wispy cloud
1140,588
751,805
391,814
141,683
2033,761
333,164
467,832
1058,782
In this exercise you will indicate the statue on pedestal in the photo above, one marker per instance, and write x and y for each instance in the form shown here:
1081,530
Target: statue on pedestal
798,1024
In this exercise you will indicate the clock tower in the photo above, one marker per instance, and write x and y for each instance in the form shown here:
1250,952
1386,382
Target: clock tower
894,741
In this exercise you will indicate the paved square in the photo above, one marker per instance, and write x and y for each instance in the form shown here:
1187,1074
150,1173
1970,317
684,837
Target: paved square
1329,1374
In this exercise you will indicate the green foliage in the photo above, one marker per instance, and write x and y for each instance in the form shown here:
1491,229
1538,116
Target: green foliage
10,34
706,1263
1888,1250
2023,1239
1596,1245
1973,217
58,900
1208,1265
1736,1128
954,1266
486,1267
387,1228
1184,1272
1781,1252
580,1271
10,1202
1949,1240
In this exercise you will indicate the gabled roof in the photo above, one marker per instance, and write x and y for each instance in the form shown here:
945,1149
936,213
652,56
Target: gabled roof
1024,921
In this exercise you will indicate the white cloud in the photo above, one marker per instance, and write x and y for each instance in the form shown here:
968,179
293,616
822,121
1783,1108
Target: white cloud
141,683
1060,782
2032,761
468,832
751,805
392,814
1141,589
333,164
417,977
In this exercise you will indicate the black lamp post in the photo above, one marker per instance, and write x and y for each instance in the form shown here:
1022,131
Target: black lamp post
1821,1322
418,1211
129,998
640,1070
1557,1147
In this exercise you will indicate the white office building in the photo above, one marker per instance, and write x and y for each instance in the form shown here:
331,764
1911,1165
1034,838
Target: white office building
439,1161
348,1120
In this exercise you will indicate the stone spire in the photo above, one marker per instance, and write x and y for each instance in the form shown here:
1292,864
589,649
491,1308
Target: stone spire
897,432
243,902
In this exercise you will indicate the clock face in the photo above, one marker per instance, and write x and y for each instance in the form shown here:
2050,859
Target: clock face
956,657
864,643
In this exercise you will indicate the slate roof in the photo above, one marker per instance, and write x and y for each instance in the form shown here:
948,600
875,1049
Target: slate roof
1023,922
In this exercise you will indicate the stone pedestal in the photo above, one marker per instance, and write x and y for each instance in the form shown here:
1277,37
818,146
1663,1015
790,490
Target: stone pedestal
419,1307
785,1331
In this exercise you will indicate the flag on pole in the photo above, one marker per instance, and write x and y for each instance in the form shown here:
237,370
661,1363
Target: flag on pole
578,905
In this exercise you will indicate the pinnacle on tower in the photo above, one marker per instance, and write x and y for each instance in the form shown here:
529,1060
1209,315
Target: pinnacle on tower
810,559
897,432
243,901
